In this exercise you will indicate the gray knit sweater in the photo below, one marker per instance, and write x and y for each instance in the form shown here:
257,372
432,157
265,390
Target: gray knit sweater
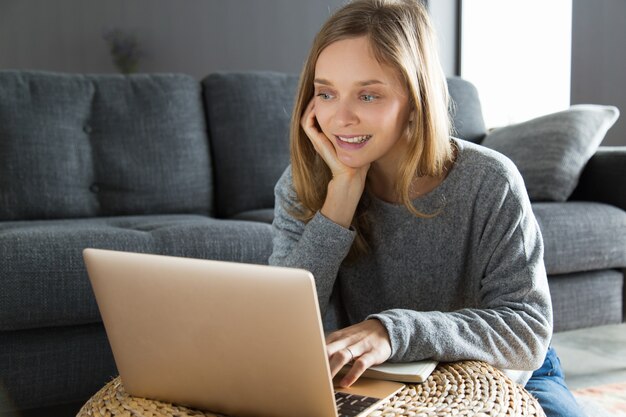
469,283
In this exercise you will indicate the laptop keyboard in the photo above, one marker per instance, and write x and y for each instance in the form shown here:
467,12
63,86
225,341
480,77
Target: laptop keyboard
350,405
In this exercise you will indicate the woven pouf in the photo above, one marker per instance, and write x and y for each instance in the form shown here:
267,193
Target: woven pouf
466,388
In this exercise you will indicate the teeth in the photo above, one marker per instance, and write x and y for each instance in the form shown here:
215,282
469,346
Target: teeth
356,139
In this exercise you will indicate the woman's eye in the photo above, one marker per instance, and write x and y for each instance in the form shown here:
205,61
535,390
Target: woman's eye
368,97
324,96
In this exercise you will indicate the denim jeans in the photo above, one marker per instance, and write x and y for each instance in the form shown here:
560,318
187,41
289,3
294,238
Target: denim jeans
548,386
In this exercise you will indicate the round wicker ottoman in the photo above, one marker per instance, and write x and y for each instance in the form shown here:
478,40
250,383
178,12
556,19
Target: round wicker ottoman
466,388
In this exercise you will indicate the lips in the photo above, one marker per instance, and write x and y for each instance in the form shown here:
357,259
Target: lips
356,139
352,142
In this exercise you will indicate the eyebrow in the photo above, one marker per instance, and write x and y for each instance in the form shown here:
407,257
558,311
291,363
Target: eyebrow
360,83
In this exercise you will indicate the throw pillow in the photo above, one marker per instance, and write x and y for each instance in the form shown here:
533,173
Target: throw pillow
551,151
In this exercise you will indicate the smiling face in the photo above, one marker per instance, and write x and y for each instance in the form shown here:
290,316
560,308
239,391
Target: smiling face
361,105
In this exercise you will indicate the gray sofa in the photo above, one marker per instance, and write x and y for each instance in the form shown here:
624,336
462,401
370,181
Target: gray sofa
165,164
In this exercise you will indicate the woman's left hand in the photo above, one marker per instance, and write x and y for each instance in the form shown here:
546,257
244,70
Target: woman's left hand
366,343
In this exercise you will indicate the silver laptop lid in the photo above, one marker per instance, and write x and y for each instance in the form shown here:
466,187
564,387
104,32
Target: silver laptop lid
233,338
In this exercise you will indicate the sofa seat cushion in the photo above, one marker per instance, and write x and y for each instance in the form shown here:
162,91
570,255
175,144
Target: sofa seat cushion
581,236
44,281
261,215
586,299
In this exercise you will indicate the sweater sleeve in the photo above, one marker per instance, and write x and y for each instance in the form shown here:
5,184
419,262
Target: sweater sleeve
512,324
318,246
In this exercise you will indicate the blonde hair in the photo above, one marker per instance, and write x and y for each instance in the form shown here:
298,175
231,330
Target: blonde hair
401,36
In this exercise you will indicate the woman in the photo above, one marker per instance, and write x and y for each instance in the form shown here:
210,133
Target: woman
428,241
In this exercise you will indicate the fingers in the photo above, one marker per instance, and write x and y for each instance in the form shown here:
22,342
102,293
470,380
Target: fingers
319,140
344,346
308,123
365,344
339,359
360,365
325,148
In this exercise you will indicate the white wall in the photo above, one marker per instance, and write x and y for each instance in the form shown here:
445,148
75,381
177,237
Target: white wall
191,36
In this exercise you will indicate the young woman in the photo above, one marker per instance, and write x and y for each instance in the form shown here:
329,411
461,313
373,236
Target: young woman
428,242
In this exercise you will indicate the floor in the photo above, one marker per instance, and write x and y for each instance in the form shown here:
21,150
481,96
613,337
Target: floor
592,356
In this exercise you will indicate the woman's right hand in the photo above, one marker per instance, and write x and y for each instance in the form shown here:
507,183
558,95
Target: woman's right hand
347,185
325,148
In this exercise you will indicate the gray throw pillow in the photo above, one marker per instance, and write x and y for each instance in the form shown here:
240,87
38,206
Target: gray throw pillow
551,151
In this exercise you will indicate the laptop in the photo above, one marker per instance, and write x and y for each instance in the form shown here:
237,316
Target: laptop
232,338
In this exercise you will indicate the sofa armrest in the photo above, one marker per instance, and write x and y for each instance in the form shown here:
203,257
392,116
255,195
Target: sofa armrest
604,177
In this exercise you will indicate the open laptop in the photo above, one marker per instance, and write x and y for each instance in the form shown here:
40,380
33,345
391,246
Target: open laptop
232,338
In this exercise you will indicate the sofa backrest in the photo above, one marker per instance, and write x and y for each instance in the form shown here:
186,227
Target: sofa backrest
248,115
467,114
101,145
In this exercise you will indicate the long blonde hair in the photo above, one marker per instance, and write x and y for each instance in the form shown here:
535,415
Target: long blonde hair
401,36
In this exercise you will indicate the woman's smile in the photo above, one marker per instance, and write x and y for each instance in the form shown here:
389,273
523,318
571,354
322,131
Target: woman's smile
352,142
353,138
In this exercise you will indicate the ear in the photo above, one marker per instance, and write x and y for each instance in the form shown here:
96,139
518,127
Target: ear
411,116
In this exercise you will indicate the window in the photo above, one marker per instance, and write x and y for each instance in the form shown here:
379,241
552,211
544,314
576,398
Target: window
517,53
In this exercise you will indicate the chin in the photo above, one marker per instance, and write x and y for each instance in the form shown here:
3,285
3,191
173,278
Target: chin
352,162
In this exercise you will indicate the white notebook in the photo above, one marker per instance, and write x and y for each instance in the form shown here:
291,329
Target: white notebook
415,372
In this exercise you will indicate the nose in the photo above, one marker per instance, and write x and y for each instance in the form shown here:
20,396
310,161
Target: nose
345,114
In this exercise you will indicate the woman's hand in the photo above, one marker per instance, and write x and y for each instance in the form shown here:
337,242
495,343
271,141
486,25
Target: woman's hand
347,185
324,147
366,344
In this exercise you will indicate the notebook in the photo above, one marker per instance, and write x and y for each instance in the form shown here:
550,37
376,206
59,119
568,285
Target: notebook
410,372
232,338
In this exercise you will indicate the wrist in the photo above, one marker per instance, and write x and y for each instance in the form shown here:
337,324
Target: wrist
342,199
349,189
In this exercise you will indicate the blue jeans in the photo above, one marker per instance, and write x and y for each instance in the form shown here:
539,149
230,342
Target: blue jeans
547,385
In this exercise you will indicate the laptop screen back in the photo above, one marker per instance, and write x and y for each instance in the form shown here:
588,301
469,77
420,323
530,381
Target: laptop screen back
232,338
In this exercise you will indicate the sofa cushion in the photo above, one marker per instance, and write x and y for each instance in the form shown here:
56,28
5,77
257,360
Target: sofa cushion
44,281
585,299
582,236
551,151
262,215
248,116
97,145
465,110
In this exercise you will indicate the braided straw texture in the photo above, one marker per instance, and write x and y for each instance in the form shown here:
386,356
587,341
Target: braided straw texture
466,388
